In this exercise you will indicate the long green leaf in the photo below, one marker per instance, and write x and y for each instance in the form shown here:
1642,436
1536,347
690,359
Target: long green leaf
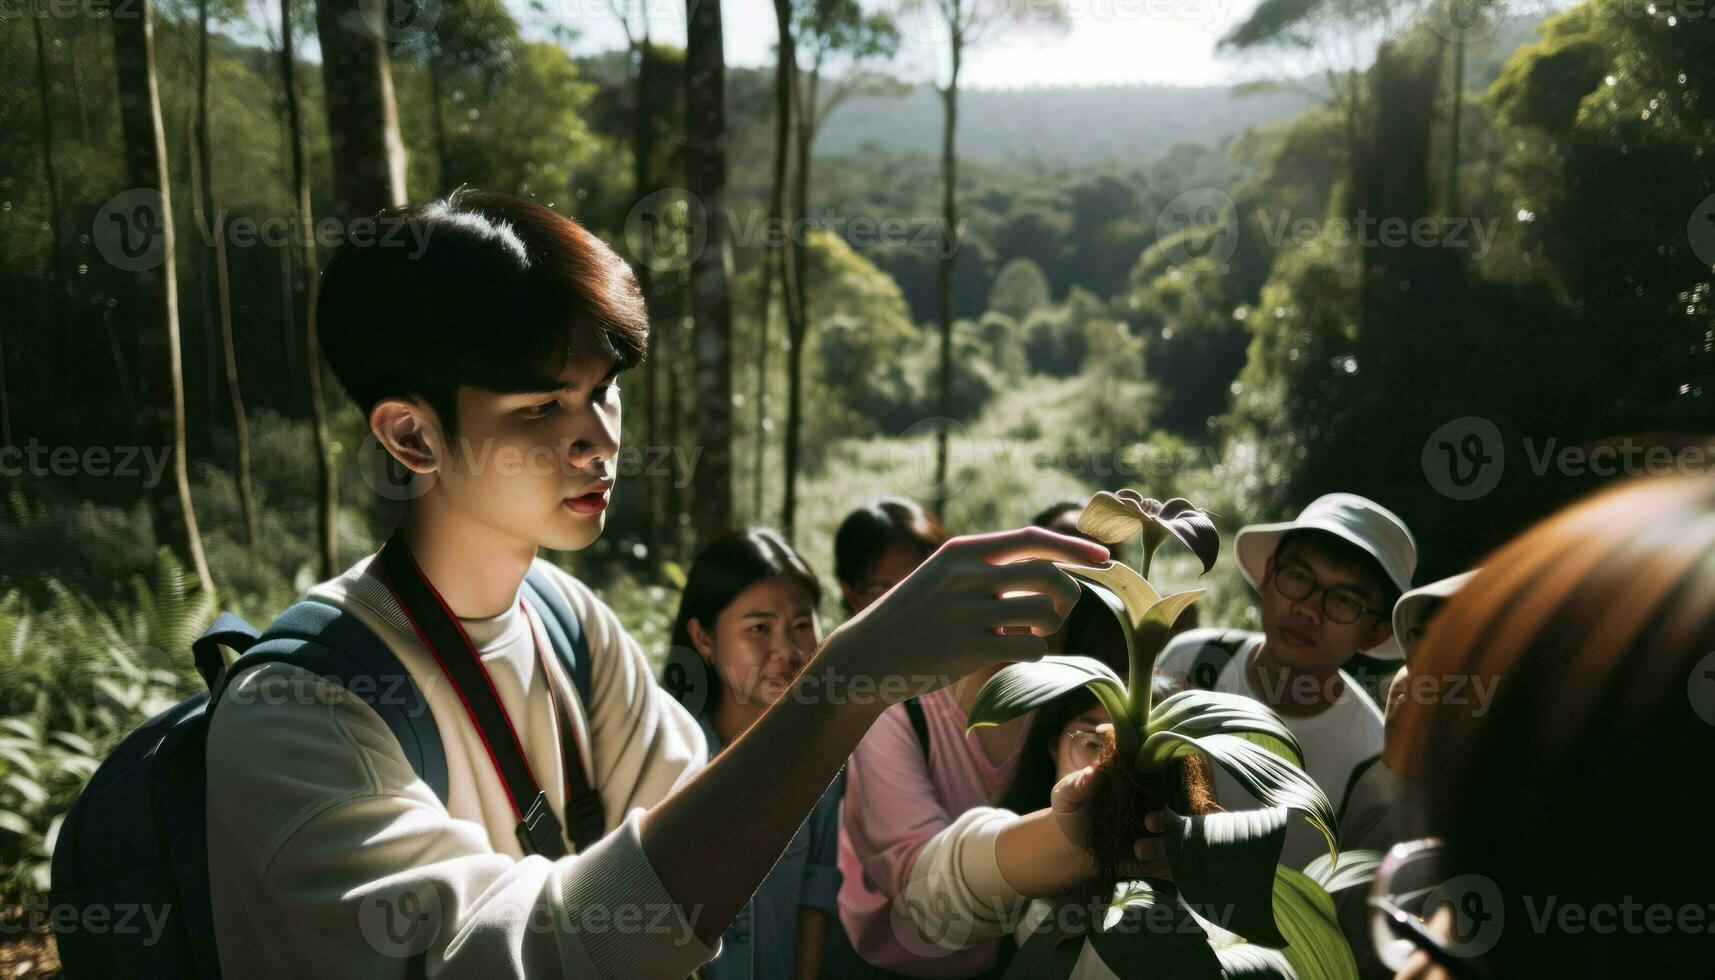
1167,609
1148,929
1223,864
1122,580
1355,868
1199,713
1305,912
1019,688
1266,775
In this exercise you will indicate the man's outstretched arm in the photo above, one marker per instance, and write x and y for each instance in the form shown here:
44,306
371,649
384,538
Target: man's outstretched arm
977,601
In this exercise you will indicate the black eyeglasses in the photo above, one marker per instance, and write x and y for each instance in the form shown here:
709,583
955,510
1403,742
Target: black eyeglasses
1298,585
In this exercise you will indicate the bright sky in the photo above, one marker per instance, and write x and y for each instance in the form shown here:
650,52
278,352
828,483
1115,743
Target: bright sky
1106,42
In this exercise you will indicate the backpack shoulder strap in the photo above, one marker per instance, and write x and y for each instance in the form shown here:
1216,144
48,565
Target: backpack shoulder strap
585,821
333,643
919,724
565,632
228,630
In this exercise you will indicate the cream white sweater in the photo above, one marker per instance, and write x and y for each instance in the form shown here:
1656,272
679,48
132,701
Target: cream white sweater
329,857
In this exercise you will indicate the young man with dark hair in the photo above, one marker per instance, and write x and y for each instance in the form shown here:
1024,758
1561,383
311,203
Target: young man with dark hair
486,364
1326,583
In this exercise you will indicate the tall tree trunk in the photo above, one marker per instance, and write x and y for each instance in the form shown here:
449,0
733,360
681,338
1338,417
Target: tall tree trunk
157,293
949,256
711,271
77,89
213,227
363,119
1450,203
643,184
327,496
798,314
438,123
5,398
50,176
774,259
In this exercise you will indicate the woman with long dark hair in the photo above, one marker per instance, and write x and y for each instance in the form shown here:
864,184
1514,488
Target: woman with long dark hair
747,624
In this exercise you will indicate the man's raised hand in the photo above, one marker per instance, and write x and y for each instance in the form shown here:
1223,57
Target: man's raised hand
978,600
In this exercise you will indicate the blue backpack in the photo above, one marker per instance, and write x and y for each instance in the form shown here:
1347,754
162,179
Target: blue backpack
133,849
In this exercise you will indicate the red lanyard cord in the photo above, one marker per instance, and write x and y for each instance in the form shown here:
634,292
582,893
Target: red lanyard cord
539,831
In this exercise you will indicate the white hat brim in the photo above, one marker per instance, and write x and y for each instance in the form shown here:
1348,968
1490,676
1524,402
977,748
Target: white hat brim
1413,608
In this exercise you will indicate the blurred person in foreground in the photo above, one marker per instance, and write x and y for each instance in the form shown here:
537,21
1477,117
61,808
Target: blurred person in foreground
1573,811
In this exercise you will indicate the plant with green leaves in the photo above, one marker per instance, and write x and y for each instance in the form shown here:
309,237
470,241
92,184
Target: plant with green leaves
1230,909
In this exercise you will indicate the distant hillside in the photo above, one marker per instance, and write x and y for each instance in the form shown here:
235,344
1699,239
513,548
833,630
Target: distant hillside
1132,123
1071,125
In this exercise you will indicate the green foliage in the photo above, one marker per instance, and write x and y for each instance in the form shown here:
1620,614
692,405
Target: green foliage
76,676
1019,290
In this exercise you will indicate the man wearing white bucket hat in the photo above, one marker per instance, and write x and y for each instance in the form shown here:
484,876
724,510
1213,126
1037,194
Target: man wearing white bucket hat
1326,583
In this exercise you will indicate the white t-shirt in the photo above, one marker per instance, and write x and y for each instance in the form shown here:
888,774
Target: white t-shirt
328,856
1334,741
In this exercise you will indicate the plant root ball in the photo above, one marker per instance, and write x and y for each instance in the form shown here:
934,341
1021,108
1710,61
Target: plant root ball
1124,797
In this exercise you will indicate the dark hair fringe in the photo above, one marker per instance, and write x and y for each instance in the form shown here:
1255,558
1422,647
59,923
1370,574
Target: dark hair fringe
476,289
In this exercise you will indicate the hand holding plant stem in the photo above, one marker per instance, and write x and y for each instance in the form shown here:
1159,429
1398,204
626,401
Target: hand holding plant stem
1222,863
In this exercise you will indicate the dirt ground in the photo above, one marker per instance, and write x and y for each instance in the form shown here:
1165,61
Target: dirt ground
28,956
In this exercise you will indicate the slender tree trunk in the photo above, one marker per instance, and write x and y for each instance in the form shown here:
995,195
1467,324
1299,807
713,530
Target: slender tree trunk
327,497
77,90
205,286
50,175
679,355
949,256
1354,148
126,392
157,294
774,259
5,398
363,119
711,271
1450,205
643,184
798,314
213,227
438,124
